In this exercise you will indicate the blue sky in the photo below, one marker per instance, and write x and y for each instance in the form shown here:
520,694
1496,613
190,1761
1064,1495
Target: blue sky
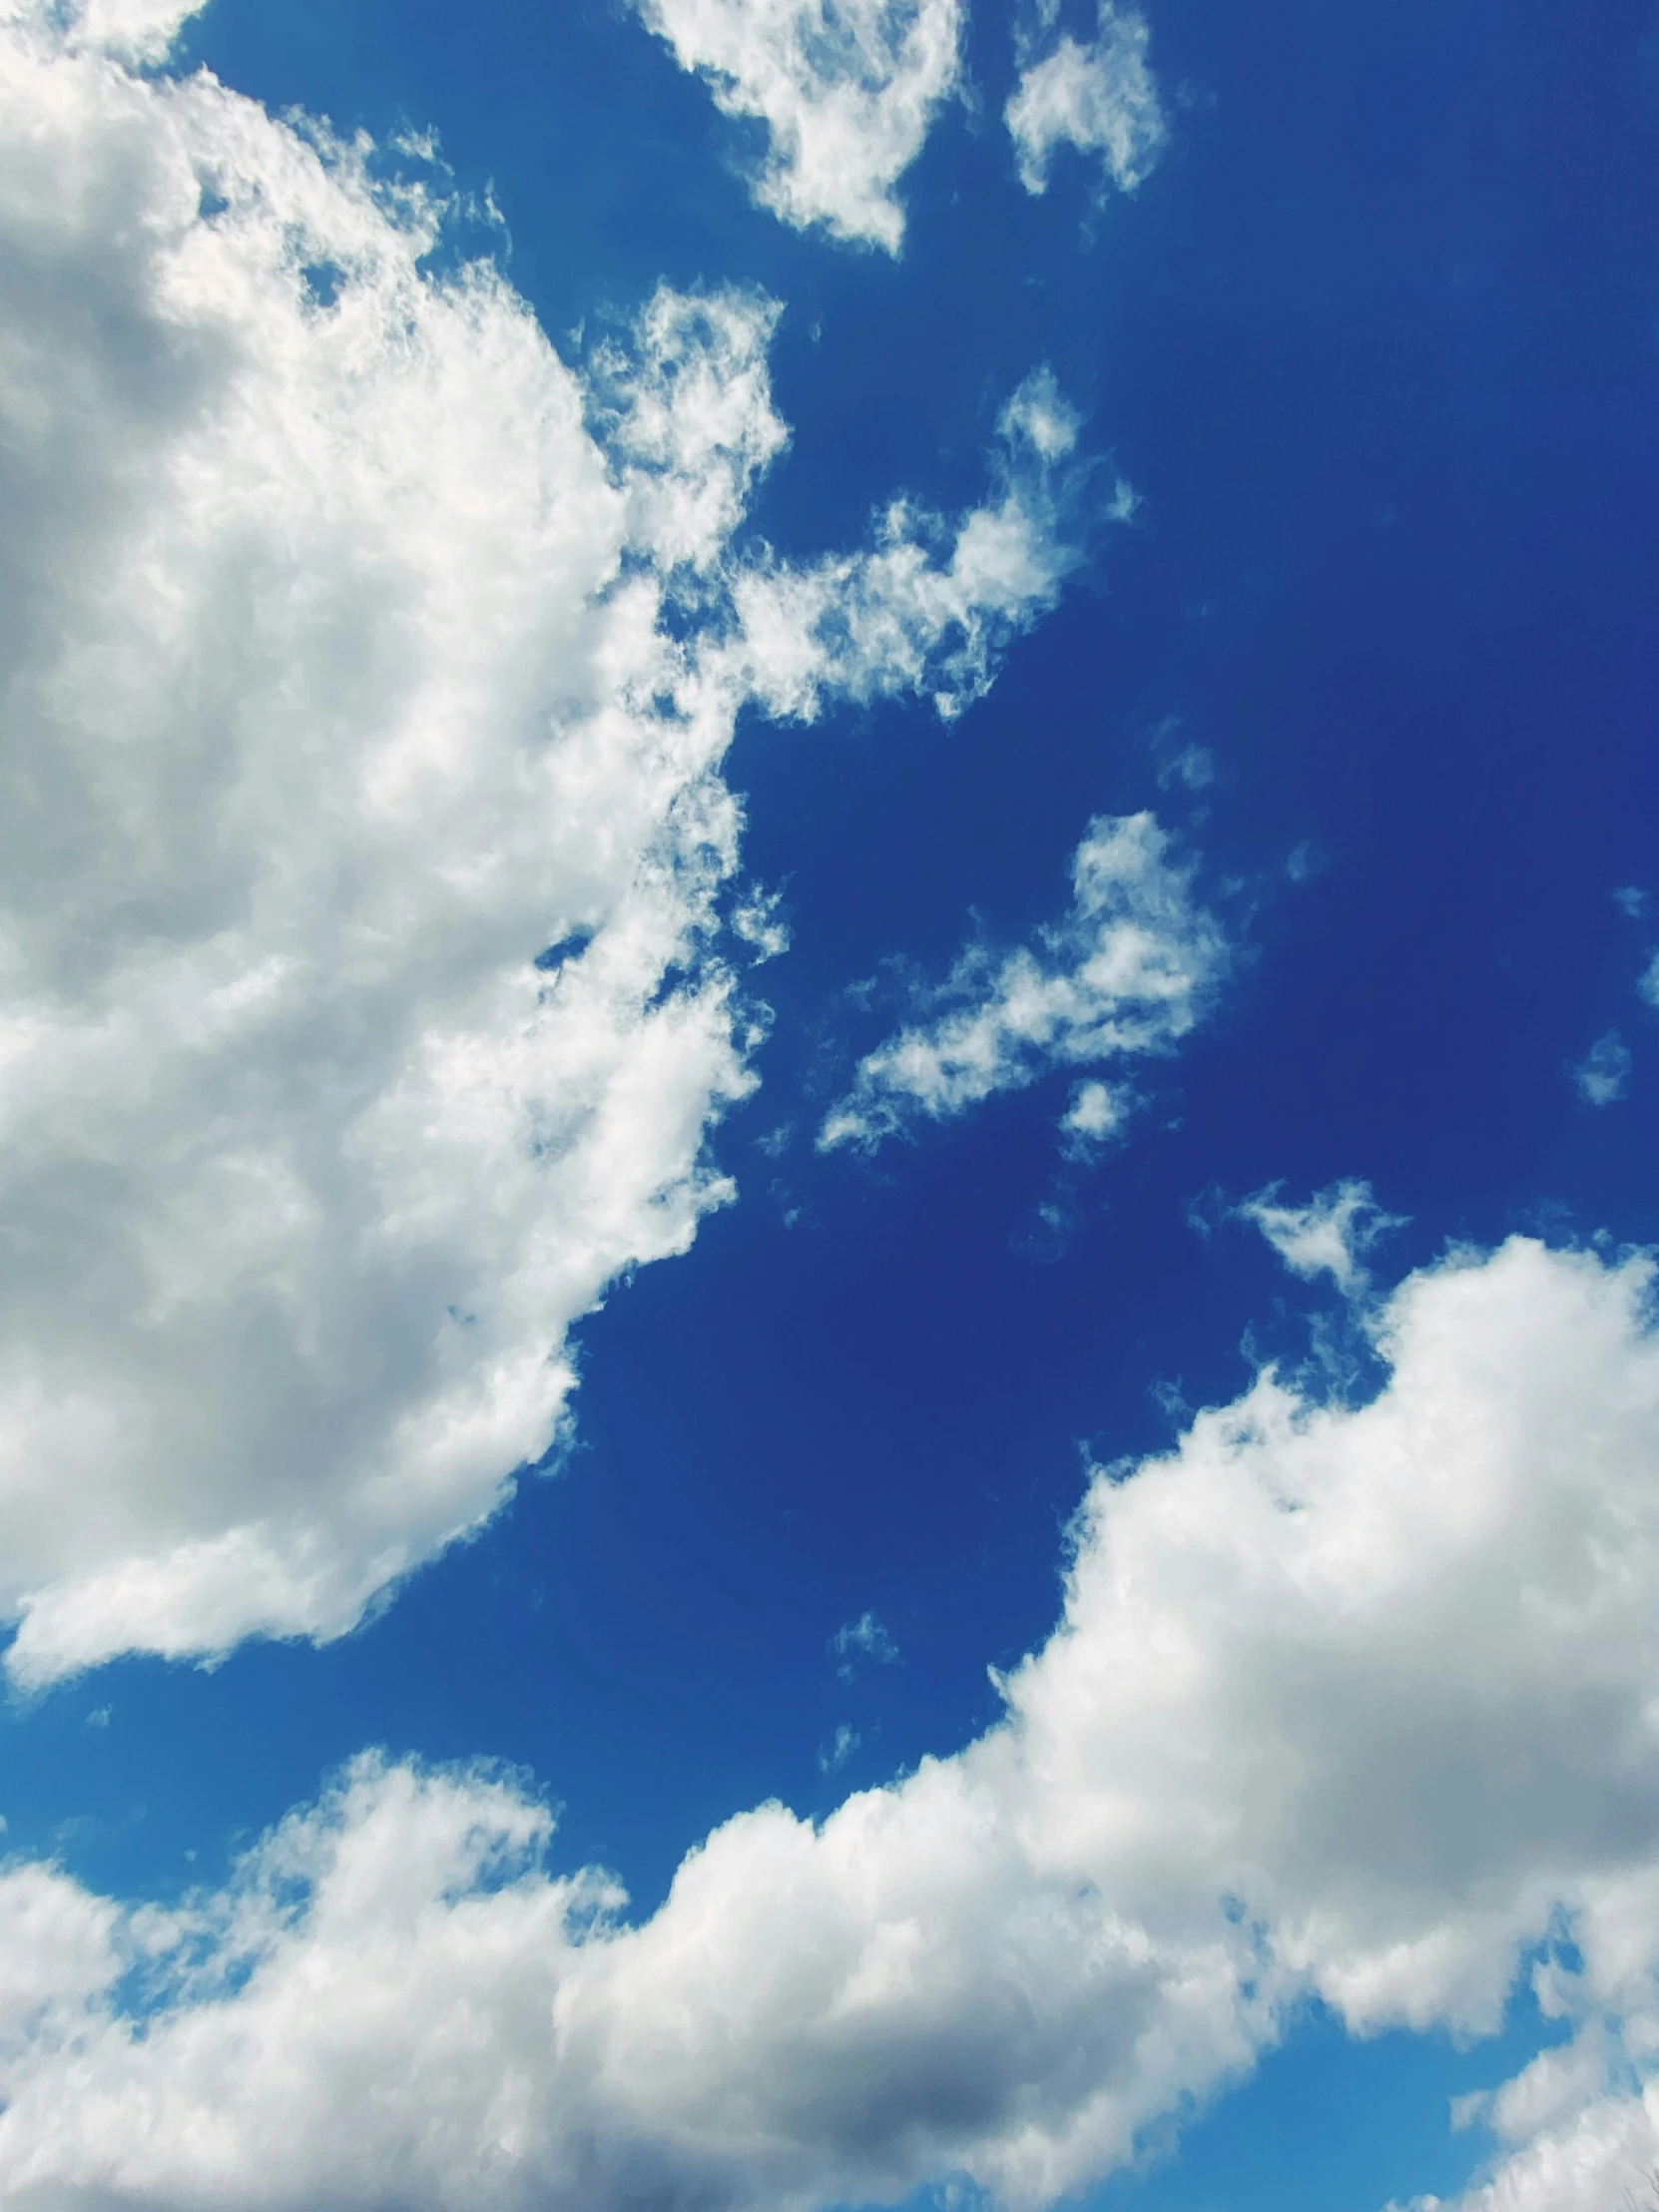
1079,761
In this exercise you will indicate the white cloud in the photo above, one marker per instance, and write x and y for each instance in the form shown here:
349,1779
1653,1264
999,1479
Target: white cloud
1324,1237
1127,972
1577,2131
58,1959
140,31
1101,98
1649,983
755,921
332,631
1348,1700
1604,1073
932,606
1096,1112
865,1638
1602,2156
840,1748
848,91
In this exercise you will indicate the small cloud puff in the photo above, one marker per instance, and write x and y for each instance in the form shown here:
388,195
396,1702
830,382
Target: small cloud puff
1096,1112
1127,972
931,605
141,31
1041,416
839,1748
1101,98
1324,1237
1604,1073
756,923
865,1638
1194,766
1648,986
848,91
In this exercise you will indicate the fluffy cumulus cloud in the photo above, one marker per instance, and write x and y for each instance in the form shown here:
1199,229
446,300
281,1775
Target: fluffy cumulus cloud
368,674
1101,98
847,90
1574,2142
1347,1698
1127,972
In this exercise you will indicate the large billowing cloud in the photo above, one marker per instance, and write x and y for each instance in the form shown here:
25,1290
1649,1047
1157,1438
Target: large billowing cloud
132,30
1126,972
1347,1698
364,995
846,89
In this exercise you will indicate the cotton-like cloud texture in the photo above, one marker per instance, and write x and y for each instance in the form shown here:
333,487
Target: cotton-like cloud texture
1101,98
865,1638
846,90
1354,1700
132,30
1096,1113
1127,972
340,687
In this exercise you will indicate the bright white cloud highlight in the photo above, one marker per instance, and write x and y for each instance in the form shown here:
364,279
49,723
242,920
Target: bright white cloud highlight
1354,1700
339,687
132,30
1101,98
1127,972
846,90
1574,2142
1324,1237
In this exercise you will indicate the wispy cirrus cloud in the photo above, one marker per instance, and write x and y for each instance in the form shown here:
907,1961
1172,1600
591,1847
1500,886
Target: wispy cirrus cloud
1328,1236
1127,972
